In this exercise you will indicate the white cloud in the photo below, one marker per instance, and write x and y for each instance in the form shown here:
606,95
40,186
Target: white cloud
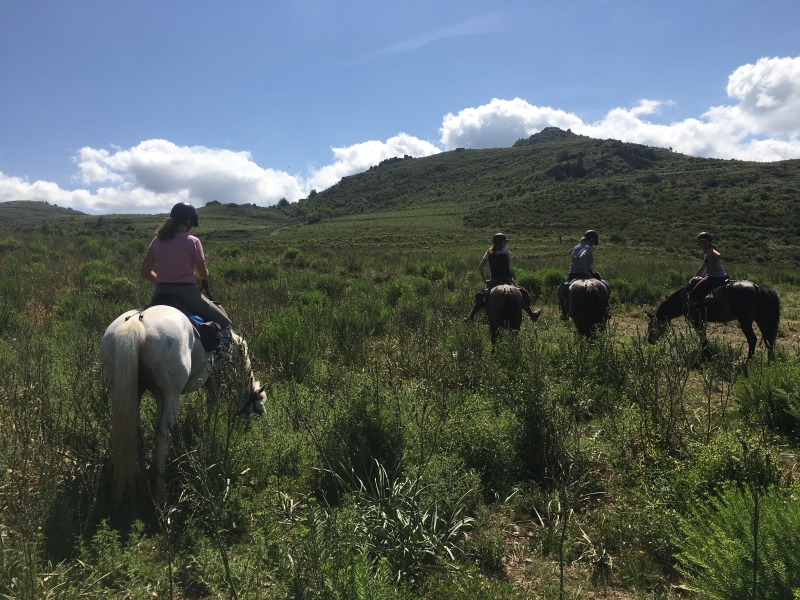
500,123
768,103
360,157
155,174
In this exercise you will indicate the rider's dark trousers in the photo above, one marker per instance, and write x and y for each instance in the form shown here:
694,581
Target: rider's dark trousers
195,302
704,286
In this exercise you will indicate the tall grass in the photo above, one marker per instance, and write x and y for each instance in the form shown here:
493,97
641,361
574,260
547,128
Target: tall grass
546,457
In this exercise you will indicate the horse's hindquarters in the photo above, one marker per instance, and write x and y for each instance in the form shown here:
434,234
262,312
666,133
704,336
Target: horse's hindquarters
588,305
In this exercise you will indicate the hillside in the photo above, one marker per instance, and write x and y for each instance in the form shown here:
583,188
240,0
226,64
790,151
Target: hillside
554,184
21,213
559,181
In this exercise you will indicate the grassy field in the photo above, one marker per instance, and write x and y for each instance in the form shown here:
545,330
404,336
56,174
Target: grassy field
399,456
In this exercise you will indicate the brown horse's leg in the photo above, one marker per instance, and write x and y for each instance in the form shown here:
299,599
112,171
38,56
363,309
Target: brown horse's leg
752,338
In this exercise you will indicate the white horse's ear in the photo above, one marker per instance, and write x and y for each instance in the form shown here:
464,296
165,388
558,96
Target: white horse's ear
261,389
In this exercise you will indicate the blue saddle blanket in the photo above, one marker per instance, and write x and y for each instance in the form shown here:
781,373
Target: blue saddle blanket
211,334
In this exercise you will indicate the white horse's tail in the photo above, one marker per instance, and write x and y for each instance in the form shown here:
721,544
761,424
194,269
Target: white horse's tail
125,417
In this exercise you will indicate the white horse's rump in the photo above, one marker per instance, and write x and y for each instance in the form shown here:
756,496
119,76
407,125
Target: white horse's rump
156,350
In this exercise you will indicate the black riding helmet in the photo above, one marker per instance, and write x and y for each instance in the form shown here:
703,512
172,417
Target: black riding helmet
183,212
592,235
704,235
499,237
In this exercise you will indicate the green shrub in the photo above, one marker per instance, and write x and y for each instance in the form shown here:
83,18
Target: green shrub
353,262
350,329
717,545
530,281
771,395
229,251
433,271
9,245
287,345
402,527
96,272
237,271
639,291
397,288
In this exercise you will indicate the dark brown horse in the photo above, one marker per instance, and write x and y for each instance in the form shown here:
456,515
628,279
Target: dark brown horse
588,305
742,301
504,309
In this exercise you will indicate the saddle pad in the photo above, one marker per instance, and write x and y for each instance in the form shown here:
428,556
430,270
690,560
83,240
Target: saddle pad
210,333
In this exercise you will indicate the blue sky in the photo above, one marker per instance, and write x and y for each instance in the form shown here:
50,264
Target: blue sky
131,106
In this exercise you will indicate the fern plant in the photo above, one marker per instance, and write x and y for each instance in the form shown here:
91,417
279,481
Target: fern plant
716,550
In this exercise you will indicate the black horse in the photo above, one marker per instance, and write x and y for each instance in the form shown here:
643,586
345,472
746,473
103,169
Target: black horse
743,301
588,305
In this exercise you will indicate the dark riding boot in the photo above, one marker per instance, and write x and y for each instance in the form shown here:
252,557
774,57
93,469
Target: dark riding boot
564,310
475,309
526,304
480,302
696,313
533,314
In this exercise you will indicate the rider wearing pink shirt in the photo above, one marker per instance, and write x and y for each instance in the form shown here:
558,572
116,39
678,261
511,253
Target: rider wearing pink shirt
178,256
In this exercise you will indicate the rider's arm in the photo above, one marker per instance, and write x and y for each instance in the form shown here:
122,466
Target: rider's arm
147,268
480,270
202,269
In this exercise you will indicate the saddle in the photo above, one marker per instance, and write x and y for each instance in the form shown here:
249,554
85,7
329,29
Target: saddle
210,333
715,294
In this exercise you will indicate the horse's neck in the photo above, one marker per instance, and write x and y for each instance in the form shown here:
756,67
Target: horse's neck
672,307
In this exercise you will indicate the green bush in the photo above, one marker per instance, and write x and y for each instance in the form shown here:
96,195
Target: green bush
433,271
716,545
9,245
96,272
237,271
287,345
530,281
771,395
639,291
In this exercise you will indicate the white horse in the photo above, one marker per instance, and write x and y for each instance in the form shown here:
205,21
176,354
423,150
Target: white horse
156,350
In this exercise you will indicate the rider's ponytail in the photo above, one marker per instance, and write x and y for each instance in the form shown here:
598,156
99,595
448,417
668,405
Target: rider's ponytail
168,229
492,249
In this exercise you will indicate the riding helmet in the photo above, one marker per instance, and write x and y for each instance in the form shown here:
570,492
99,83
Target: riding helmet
704,235
592,235
183,212
499,237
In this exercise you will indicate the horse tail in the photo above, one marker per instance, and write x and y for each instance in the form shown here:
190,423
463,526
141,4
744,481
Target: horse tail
595,306
512,309
125,417
769,314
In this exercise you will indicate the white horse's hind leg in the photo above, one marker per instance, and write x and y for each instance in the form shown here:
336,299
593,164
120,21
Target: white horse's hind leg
168,407
161,442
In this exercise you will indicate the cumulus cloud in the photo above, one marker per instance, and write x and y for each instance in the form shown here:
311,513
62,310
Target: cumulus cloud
155,174
360,157
767,96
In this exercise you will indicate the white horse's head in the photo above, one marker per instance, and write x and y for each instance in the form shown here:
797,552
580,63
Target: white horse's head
253,400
